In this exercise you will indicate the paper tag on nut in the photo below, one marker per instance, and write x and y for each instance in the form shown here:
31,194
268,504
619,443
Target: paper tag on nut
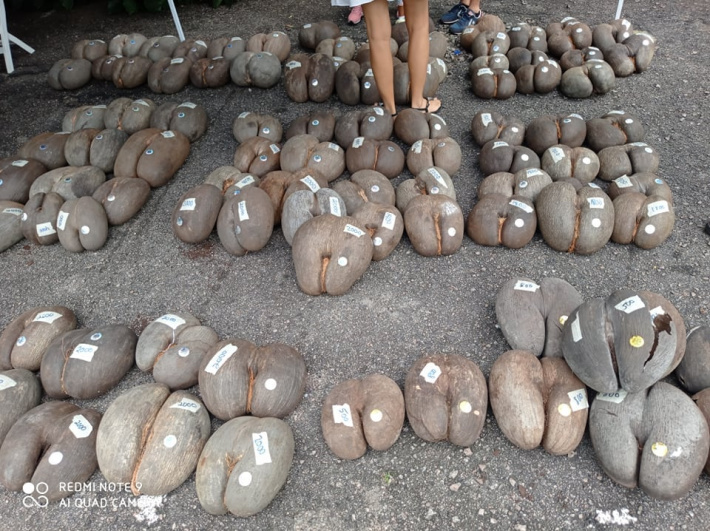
351,229
220,358
335,206
311,183
522,206
187,405
657,207
578,399
616,398
389,220
173,321
630,305
47,317
243,213
431,372
261,448
80,427
188,204
342,415
525,285
6,382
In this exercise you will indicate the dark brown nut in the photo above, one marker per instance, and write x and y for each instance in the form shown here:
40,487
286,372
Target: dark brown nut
303,205
548,130
152,155
702,400
446,398
261,70
615,128
443,153
262,452
130,72
342,47
412,125
279,185
16,177
563,162
101,152
257,155
497,60
434,224
159,47
330,253
129,115
84,117
532,316
373,123
370,94
304,151
54,444
46,148
644,220
192,49
693,372
210,73
633,55
402,90
383,156
195,214
572,58
486,23
69,74
502,183
229,180
70,182
173,348
246,221
361,413
605,36
10,224
152,439
276,42
89,49
76,149
541,78
532,38
102,68
489,43
365,186
617,161
437,47
320,124
122,198
490,125
168,75
488,83
593,77
656,439
628,341
500,156
82,225
648,184
567,35
431,181
538,402
251,124
385,225
128,45
238,378
438,66
310,78
347,82
575,221
39,217
87,363
20,391
227,47
188,118
310,35
521,57
498,219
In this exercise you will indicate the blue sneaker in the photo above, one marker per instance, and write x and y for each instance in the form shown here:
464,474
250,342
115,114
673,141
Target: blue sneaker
467,19
454,14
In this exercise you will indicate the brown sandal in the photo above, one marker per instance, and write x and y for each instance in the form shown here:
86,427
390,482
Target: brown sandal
428,104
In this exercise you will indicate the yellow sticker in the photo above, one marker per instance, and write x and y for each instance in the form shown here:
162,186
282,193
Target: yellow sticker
636,341
564,410
659,449
563,319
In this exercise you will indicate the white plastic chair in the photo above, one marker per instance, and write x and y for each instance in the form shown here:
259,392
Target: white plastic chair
7,38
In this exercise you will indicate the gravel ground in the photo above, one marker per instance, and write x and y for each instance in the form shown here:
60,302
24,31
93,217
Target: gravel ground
404,307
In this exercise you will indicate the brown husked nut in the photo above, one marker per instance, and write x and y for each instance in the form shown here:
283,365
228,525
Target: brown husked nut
498,219
20,391
490,125
434,224
251,124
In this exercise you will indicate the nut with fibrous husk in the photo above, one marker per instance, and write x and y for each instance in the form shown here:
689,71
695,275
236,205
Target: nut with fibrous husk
279,185
593,77
348,82
443,153
10,224
70,182
95,148
122,198
39,218
549,130
342,47
188,118
431,181
46,148
365,186
16,177
490,43
130,72
210,72
257,155
82,225
152,439
50,445
486,23
372,123
152,155
310,35
84,117
645,183
309,77
498,219
412,125
330,253
490,125
446,398
523,35
86,363
520,57
227,47
605,36
437,46
541,78
26,338
102,68
572,58
251,124
563,162
538,402
637,157
69,74
303,205
362,412
246,221
434,225
627,342
20,391
158,47
575,220
490,83
301,151
192,49
129,115
500,156
702,400
195,213
532,315
383,156
128,45
261,70
402,89
497,60
645,220
320,124
385,225
569,34
693,372
656,439
615,128
275,42
244,465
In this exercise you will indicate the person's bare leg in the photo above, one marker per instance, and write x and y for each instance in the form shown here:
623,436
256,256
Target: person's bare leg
379,31
416,13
